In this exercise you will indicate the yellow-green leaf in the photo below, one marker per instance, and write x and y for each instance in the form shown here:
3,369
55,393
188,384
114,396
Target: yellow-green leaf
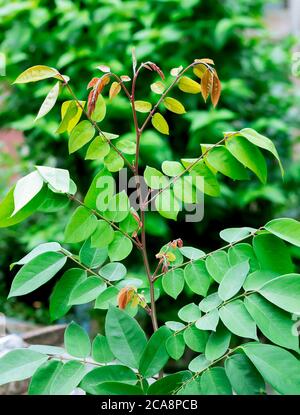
49,101
98,149
36,73
188,85
115,88
157,87
142,106
70,115
81,135
174,105
160,124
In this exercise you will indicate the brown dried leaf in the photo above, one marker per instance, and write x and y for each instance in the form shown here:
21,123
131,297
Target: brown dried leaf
216,90
206,84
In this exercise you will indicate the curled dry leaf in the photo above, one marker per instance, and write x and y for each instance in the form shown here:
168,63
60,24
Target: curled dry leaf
216,90
97,86
206,84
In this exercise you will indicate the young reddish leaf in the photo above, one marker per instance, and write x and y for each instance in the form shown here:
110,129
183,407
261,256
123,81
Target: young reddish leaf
125,78
154,67
92,83
96,91
126,295
103,68
206,84
176,71
205,60
157,87
216,90
115,88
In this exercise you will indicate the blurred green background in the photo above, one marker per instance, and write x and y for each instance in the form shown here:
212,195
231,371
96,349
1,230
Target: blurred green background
254,63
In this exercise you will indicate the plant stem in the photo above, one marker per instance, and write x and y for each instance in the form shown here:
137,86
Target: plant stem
96,125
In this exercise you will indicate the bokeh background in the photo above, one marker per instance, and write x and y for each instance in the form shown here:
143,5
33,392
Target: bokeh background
253,44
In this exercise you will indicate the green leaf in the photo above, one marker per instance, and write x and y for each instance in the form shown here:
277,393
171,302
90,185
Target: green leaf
77,342
92,257
197,277
189,313
274,323
106,298
68,378
80,135
199,363
174,105
233,280
217,265
88,290
40,249
209,321
264,247
7,218
154,178
36,73
160,124
98,149
185,190
58,179
99,112
188,85
210,302
155,355
130,224
236,318
172,168
257,279
125,337
95,188
36,273
118,207
215,382
101,352
19,364
167,205
285,228
218,343
249,155
191,253
50,350
283,291
169,384
113,161
243,376
142,106
80,226
120,247
49,101
277,366
70,115
93,380
208,182
261,141
173,282
174,325
175,346
127,146
118,388
43,378
103,235
52,202
59,299
221,160
232,235
195,339
243,252
113,271
26,189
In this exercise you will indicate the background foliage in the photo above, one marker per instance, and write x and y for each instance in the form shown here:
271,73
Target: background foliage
76,36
